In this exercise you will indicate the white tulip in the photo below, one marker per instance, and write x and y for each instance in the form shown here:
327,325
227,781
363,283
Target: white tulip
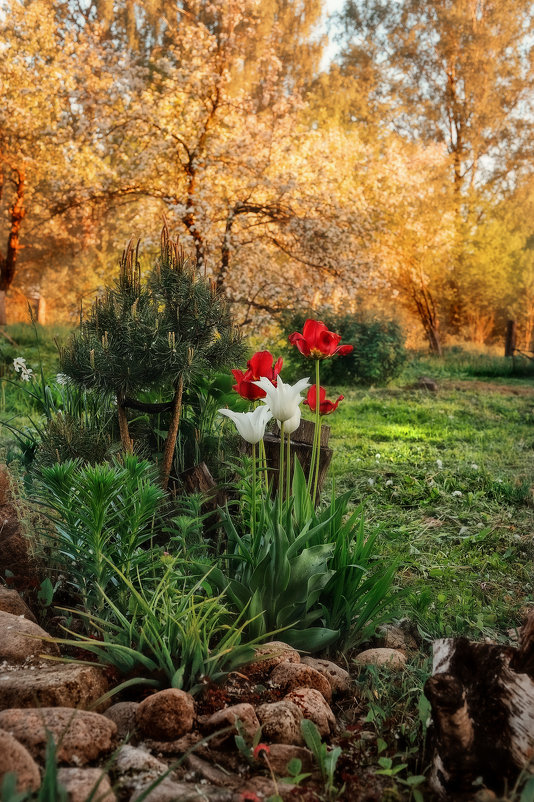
250,425
292,424
284,399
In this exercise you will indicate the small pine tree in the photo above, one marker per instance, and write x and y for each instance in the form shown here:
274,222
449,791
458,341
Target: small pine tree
155,335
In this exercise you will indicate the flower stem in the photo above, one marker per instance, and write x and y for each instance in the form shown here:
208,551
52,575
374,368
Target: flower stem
316,448
263,466
318,464
253,510
288,469
281,474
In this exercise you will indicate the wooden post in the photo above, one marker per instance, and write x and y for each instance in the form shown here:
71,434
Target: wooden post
511,338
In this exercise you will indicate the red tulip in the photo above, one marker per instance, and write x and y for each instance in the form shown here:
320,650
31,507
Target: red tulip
325,407
261,365
317,342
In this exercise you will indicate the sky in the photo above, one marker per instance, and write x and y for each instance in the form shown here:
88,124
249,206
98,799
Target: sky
330,7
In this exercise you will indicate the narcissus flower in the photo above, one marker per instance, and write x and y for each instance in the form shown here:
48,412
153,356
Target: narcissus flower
326,407
317,342
250,425
284,399
261,365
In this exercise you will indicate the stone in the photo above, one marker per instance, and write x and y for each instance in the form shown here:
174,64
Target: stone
280,722
15,550
261,789
123,714
171,791
136,767
288,676
269,655
391,658
177,747
61,685
395,637
80,783
21,640
338,678
166,715
426,383
314,707
227,717
81,737
203,770
281,754
12,602
16,758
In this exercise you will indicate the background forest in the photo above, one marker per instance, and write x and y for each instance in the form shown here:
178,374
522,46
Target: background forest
398,177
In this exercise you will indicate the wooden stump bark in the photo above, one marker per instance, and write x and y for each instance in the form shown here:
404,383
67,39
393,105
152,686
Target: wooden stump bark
301,447
482,698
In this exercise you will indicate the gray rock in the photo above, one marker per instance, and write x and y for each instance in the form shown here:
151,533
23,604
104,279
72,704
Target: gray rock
80,783
170,791
123,714
81,737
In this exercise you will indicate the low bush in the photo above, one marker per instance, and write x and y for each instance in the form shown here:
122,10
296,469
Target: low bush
378,356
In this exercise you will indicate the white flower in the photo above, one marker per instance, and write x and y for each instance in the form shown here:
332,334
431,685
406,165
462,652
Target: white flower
474,466
370,482
284,399
62,378
292,424
439,463
19,363
456,493
250,425
389,482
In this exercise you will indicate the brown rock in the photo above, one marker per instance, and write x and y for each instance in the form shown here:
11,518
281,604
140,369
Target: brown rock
15,757
80,736
21,639
280,722
394,637
80,783
313,706
123,714
227,717
12,602
166,715
265,789
338,678
289,676
281,754
392,658
269,655
177,747
209,773
61,685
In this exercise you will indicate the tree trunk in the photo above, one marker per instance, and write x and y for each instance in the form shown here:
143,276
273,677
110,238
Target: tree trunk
126,440
434,341
172,434
41,310
511,338
3,316
482,698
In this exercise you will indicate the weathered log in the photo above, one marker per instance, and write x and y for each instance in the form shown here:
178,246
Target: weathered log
482,698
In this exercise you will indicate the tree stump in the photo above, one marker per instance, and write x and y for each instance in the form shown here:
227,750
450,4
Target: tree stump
301,447
198,479
482,698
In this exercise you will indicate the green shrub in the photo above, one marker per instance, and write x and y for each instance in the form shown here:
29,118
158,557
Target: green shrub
378,356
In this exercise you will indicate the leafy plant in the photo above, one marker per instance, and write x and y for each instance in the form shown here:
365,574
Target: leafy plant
326,758
103,519
180,637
